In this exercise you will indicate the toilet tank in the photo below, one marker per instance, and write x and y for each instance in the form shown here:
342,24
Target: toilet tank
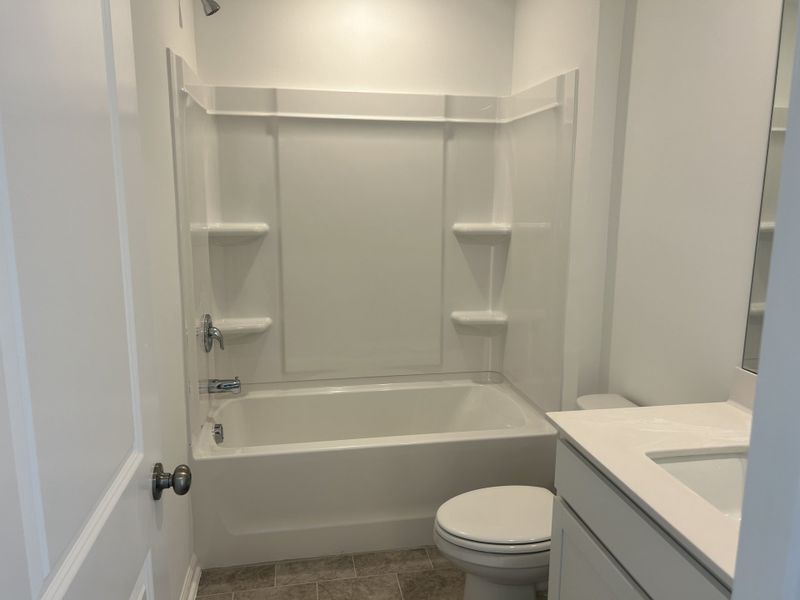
595,401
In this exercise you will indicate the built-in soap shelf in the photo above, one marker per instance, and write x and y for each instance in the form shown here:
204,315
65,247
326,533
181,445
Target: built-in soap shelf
493,233
757,309
232,232
482,230
479,318
245,326
766,227
780,118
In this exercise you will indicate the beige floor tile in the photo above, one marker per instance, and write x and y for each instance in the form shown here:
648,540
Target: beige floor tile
305,591
441,584
438,559
392,561
231,579
316,569
380,587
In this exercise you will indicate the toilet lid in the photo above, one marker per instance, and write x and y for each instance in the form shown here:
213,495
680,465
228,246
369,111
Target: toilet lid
513,514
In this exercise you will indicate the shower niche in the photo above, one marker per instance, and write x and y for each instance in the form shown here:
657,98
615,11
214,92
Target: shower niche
338,234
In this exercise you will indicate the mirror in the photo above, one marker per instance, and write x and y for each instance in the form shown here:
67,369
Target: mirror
769,199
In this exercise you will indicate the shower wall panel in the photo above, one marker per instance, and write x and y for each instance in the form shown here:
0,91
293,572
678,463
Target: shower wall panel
540,154
196,176
361,215
425,177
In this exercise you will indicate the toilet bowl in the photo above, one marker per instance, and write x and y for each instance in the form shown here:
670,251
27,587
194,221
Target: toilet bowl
500,537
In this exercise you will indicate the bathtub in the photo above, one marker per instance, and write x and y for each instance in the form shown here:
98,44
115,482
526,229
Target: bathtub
355,466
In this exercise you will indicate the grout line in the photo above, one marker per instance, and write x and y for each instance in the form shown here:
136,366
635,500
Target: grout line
430,560
400,587
316,587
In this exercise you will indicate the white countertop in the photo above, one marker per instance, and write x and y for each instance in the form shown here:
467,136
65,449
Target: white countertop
618,441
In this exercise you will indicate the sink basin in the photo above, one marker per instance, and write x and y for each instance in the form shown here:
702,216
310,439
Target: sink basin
719,477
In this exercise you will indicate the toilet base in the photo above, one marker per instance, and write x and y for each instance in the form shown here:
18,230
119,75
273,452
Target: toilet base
477,588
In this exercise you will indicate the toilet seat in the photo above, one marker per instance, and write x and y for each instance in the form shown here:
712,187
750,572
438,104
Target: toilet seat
504,520
534,548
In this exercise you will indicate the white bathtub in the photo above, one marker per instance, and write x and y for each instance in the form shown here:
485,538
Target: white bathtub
309,471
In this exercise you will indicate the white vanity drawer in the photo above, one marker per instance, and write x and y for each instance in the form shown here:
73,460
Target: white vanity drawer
656,562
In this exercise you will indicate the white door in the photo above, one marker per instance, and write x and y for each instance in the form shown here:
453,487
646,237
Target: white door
78,407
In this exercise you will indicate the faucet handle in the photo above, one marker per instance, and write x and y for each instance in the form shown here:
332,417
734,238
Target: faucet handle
216,334
211,333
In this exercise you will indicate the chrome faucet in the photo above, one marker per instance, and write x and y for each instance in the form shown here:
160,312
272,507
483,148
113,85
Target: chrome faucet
221,386
211,333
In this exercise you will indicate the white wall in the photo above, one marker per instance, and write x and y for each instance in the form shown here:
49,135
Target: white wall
431,46
157,25
698,119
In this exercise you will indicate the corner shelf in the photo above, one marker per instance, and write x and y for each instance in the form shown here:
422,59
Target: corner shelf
247,326
232,232
484,230
484,318
757,309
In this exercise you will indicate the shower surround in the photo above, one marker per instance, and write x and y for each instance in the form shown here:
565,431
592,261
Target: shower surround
339,237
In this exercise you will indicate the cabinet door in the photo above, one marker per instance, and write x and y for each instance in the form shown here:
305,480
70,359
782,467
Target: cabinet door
580,568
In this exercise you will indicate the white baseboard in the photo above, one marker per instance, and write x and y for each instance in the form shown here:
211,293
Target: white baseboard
192,580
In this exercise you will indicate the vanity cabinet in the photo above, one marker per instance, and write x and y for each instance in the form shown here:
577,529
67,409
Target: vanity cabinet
584,568
605,547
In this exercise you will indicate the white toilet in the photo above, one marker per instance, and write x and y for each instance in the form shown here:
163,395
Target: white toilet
500,536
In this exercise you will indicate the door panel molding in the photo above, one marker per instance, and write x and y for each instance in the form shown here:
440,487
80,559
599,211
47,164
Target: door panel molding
143,589
69,567
23,435
120,61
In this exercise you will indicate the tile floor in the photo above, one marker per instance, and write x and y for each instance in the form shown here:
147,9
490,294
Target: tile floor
415,574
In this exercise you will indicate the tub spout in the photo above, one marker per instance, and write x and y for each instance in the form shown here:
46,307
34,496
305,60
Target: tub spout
220,386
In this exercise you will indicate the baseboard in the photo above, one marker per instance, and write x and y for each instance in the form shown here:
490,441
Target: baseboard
190,583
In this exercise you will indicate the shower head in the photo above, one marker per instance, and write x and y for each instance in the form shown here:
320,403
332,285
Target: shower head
210,7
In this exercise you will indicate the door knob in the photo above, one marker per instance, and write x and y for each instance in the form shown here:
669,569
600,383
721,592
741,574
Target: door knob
180,481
